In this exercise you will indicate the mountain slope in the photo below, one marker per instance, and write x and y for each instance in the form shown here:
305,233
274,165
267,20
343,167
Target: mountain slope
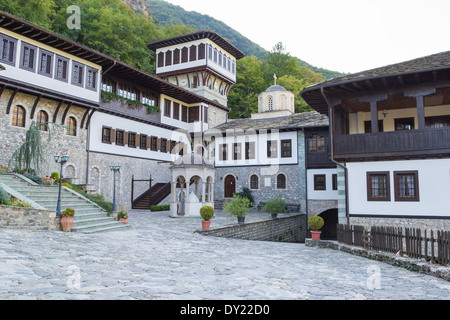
165,13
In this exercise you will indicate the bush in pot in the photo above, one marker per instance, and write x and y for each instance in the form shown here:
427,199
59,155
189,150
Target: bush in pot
238,207
315,224
123,216
275,206
207,214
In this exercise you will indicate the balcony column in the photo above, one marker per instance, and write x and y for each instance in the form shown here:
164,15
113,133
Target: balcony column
420,112
374,116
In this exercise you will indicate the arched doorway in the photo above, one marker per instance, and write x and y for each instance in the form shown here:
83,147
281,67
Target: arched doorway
329,229
230,186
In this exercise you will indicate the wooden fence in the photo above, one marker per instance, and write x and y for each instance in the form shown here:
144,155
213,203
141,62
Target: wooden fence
414,243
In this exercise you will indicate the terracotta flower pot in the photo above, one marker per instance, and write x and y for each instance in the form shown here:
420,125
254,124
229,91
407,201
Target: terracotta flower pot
205,224
66,223
125,221
315,235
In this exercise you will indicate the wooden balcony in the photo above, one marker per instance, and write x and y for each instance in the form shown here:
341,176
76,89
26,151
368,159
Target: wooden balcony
425,143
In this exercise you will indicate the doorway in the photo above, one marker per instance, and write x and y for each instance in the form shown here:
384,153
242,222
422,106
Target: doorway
230,186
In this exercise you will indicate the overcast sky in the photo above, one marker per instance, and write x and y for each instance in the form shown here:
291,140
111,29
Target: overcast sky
339,35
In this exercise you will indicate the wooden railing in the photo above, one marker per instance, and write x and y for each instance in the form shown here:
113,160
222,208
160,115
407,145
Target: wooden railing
414,243
395,143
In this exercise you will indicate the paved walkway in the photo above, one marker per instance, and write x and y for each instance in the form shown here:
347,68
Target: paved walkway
162,258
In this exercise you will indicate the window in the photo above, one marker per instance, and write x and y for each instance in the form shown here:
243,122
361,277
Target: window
281,181
28,58
270,103
210,52
220,58
249,150
368,126
120,137
437,122
108,85
237,151
334,181
106,135
71,129
132,140
406,186
254,182
193,114
160,59
18,119
61,71
193,53
176,56
184,55
316,144
176,111
154,144
164,145
286,148
173,144
184,114
147,99
223,152
8,49
215,55
167,105
378,188
42,120
201,51
205,115
45,63
78,74
127,92
272,151
168,58
143,142
91,79
404,124
320,182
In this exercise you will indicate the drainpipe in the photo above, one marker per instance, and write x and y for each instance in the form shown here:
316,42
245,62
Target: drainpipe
332,154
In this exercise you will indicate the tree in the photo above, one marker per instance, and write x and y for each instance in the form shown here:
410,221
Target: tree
279,62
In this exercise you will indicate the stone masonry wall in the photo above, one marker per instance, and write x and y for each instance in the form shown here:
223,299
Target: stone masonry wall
27,218
286,229
437,224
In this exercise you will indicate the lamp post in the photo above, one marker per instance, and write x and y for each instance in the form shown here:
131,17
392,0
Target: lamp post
114,169
63,160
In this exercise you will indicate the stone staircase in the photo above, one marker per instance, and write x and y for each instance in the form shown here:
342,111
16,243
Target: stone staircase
89,218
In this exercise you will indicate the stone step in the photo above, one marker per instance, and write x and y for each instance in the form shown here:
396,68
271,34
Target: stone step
99,227
84,221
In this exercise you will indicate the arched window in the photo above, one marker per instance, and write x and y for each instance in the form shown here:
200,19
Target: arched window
72,126
18,119
270,103
254,182
193,53
282,101
42,120
281,181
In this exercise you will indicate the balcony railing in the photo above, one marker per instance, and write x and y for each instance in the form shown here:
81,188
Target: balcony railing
414,143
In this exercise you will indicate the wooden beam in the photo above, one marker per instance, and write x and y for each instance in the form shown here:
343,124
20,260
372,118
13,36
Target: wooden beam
33,109
420,112
8,108
84,117
89,118
63,120
374,116
57,110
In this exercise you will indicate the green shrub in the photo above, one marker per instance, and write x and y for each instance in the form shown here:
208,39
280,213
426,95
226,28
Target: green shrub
316,223
66,185
55,176
122,215
238,207
160,208
207,213
247,193
4,197
20,203
275,206
99,200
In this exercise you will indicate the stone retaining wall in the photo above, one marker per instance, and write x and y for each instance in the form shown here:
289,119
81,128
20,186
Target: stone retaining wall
28,218
286,229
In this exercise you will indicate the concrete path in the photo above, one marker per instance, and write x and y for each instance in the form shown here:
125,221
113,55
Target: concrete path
162,258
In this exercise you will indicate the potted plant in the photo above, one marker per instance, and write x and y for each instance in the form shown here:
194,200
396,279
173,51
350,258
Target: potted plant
207,214
67,219
238,207
315,223
275,206
123,216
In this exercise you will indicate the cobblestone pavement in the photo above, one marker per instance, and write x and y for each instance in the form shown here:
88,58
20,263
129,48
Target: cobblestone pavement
162,258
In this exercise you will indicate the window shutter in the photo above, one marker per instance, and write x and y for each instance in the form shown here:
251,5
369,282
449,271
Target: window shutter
125,138
113,135
149,142
138,140
158,144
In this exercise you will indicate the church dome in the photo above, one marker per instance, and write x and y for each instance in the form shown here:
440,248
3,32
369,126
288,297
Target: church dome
276,88
192,160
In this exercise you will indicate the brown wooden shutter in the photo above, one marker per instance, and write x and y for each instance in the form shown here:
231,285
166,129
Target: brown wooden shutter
113,135
125,138
158,144
168,146
149,142
138,140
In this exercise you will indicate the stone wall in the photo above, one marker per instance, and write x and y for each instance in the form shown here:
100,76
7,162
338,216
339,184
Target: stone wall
440,224
286,229
316,207
27,218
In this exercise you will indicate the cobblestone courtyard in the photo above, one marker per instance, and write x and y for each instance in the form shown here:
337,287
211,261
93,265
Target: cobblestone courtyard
162,258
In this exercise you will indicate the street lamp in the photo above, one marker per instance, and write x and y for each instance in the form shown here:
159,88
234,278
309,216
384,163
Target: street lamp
63,160
114,169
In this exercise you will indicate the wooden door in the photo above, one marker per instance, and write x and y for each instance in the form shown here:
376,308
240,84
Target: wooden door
230,186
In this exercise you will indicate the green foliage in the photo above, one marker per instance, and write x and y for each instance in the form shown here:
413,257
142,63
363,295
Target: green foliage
66,185
275,206
247,193
20,203
99,200
68,212
238,207
4,197
122,215
316,223
159,208
132,104
207,213
55,176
